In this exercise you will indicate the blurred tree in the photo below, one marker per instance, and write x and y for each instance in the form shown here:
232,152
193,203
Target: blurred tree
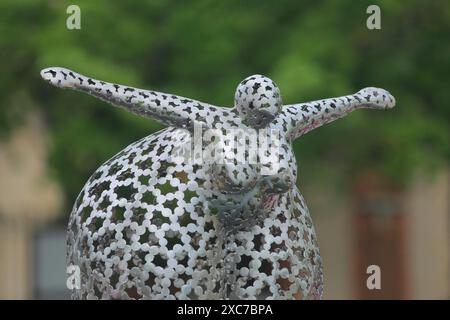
202,49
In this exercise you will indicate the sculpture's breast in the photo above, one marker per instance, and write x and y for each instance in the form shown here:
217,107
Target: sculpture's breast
141,227
245,156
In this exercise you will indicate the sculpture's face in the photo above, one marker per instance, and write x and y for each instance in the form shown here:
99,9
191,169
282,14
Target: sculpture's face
258,101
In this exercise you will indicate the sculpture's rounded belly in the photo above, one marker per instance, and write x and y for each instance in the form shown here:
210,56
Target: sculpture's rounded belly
142,228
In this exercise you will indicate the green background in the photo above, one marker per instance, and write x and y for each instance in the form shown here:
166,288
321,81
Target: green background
203,49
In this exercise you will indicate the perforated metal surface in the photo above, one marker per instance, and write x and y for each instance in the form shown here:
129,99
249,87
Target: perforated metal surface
159,221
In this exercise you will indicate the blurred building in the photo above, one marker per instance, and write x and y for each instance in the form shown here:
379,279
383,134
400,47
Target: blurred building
28,201
405,232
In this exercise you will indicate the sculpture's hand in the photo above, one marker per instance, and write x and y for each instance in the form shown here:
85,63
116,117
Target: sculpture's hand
304,117
60,77
272,187
166,108
376,98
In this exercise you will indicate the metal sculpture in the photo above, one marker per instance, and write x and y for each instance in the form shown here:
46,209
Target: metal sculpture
195,211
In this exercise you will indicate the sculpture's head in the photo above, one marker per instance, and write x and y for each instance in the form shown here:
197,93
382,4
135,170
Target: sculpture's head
257,100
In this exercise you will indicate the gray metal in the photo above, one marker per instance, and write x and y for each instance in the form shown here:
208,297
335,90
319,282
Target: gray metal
192,211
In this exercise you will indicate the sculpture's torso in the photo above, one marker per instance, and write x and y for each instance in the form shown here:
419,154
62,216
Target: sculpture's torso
144,227
149,224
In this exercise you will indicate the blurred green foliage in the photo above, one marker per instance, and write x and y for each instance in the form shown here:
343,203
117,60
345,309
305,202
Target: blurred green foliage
202,49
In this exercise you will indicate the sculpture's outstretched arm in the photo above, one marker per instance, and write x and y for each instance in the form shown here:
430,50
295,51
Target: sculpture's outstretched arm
166,108
304,117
